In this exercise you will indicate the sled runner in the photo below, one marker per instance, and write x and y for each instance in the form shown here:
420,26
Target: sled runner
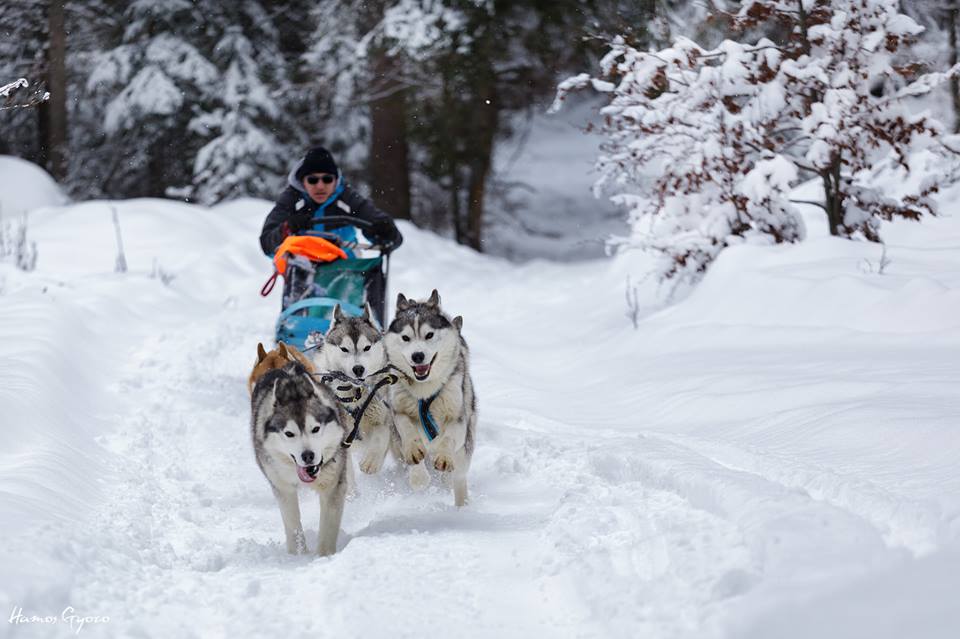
320,270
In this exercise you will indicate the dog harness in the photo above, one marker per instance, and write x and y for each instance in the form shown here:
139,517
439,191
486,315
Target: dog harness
355,387
430,428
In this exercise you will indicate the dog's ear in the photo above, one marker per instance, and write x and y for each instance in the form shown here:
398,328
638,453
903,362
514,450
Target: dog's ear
337,314
367,312
402,302
282,349
434,299
458,322
261,353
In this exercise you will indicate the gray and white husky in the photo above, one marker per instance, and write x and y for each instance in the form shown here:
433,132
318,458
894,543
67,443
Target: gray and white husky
297,430
354,346
435,408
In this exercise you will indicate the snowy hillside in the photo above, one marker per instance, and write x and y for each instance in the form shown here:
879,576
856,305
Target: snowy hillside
778,455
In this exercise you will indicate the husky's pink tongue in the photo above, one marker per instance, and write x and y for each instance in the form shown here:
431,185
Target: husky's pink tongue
304,475
422,370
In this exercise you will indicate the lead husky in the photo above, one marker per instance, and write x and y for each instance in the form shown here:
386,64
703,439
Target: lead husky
354,346
297,430
434,405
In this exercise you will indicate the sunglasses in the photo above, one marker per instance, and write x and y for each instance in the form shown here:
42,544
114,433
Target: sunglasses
326,179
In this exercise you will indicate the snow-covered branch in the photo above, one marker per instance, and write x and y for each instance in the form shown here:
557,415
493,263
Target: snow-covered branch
11,96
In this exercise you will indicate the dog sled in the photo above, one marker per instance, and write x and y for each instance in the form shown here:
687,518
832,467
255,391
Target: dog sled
321,270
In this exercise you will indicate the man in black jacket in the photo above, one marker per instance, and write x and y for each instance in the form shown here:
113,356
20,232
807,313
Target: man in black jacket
315,188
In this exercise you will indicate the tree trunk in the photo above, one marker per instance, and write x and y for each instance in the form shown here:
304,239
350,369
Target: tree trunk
53,112
388,162
389,156
455,214
479,172
802,21
451,156
953,18
481,152
833,199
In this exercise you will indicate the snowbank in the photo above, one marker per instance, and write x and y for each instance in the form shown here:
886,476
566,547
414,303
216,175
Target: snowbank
775,455
24,186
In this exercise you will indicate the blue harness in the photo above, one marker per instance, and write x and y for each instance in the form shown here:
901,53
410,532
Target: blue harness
430,428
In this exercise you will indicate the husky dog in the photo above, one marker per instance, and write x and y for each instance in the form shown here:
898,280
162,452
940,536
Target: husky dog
297,430
354,346
277,358
434,405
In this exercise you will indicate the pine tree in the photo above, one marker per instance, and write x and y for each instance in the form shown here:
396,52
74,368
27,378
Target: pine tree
93,163
22,55
151,82
188,101
334,73
245,157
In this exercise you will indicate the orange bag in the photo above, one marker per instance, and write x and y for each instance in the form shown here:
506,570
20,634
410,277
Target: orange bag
315,249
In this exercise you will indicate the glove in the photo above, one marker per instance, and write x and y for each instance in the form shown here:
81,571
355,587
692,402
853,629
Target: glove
388,237
300,222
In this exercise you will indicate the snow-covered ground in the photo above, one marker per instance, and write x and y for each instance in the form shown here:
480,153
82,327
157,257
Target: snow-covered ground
778,455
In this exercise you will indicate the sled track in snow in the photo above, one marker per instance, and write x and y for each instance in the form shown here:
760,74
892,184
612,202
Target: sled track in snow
625,534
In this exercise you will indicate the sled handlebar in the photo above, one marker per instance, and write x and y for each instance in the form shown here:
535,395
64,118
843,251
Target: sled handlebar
336,239
337,221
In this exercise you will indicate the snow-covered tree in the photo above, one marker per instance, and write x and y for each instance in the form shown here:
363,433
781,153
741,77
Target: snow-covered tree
23,39
335,75
440,82
189,100
940,42
244,157
704,145
367,73
151,84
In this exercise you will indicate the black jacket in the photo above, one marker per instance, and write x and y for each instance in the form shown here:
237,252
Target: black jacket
349,203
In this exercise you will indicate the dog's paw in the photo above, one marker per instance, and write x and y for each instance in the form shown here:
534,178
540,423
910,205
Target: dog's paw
419,477
414,453
443,462
371,464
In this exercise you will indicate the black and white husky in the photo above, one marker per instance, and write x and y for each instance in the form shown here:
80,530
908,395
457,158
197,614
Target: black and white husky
434,405
354,346
297,428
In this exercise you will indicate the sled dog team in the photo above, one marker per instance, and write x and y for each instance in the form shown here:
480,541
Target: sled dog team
407,390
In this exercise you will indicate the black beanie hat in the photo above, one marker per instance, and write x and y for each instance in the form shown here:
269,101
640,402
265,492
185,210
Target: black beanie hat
317,160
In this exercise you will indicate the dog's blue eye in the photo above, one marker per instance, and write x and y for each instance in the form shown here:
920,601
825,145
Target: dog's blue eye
366,348
316,429
406,339
288,433
344,349
428,336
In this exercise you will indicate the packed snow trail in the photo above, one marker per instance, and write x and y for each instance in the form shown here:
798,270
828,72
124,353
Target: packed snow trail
707,475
